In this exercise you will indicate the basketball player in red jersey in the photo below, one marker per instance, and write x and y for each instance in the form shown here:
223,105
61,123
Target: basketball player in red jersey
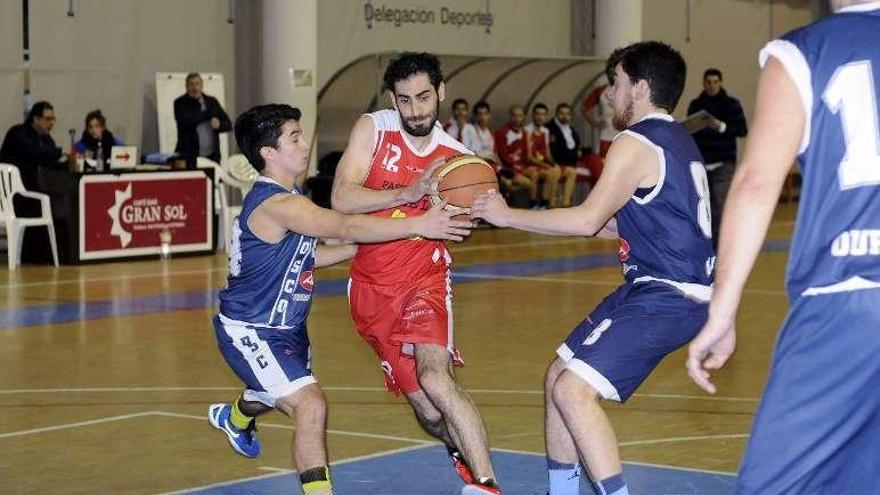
400,292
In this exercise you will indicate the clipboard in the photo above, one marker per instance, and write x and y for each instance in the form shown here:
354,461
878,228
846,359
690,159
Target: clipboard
696,122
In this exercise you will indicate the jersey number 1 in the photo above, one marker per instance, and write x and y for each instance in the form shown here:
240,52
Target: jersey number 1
851,93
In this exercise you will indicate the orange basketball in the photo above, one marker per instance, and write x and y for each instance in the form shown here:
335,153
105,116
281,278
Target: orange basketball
462,178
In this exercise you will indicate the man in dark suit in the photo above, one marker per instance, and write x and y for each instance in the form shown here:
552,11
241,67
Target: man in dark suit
565,146
29,146
200,120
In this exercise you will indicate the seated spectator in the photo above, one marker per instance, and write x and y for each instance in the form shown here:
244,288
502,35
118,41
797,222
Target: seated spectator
96,132
457,124
565,146
478,137
540,166
510,146
29,146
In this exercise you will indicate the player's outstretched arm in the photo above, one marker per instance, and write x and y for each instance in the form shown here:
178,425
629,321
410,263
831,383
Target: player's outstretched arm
350,196
628,163
770,151
299,214
330,255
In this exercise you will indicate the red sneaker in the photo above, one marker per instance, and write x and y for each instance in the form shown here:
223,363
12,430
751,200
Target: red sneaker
485,486
463,469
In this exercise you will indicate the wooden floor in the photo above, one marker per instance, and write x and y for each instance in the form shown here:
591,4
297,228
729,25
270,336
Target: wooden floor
107,370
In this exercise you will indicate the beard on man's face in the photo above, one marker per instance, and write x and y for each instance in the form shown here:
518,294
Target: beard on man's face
622,120
420,130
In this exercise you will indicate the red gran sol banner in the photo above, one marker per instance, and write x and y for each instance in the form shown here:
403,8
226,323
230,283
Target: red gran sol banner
126,215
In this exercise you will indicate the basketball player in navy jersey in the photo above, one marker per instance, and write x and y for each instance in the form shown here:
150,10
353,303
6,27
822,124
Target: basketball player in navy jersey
817,429
654,189
261,327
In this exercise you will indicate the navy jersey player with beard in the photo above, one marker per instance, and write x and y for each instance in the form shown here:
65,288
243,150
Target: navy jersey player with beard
261,327
817,429
655,186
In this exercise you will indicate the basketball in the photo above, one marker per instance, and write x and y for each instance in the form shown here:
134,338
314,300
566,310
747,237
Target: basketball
461,179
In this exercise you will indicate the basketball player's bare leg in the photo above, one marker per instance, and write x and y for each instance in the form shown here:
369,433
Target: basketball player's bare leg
551,184
560,445
569,176
523,182
532,174
430,418
460,414
586,421
308,409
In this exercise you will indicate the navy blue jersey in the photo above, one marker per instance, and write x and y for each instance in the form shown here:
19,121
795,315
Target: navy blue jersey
835,64
666,231
270,285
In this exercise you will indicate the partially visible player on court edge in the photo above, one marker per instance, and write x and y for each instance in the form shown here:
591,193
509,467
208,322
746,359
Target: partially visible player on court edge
261,327
817,429
401,292
654,185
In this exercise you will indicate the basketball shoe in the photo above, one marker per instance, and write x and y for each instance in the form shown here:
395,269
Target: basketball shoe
245,441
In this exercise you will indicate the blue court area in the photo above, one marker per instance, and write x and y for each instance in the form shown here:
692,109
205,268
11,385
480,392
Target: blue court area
426,471
175,301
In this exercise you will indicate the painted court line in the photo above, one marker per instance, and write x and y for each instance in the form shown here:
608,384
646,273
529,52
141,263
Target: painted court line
289,427
341,389
223,268
636,463
75,425
682,439
375,455
225,483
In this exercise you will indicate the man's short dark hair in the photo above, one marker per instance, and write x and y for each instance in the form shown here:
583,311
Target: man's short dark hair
261,126
192,75
712,72
561,106
538,106
480,105
458,101
409,64
38,110
660,65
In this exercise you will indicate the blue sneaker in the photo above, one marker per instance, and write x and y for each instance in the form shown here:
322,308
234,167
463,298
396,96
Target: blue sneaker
245,441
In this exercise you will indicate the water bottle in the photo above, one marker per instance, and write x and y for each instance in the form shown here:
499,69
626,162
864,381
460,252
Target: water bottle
99,158
165,239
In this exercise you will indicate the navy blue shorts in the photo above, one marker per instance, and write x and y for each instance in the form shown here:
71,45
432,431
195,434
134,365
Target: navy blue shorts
272,363
817,429
628,334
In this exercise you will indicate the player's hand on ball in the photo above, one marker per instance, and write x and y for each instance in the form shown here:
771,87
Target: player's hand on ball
438,223
710,350
423,186
490,206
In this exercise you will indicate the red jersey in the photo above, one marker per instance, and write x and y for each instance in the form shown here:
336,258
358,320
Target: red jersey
511,147
395,164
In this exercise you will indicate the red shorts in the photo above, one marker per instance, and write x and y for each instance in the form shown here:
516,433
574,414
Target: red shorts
391,318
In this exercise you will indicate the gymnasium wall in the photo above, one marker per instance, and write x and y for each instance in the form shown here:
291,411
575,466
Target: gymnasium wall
726,34
106,56
519,28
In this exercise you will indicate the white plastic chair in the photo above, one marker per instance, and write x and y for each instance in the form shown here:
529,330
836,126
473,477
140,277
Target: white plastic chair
10,185
239,168
228,212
